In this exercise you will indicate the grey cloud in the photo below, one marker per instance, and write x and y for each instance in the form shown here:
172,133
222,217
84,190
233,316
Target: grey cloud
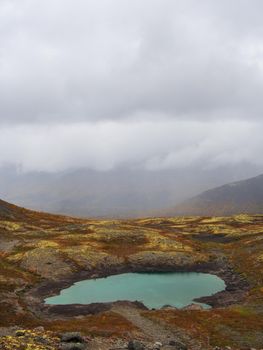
148,84
72,61
151,145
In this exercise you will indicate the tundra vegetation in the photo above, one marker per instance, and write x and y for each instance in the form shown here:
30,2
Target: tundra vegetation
42,253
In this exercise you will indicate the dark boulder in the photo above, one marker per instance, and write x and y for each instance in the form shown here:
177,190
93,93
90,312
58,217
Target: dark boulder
20,333
72,337
135,345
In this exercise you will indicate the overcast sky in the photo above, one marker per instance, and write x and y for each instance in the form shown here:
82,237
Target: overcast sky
155,84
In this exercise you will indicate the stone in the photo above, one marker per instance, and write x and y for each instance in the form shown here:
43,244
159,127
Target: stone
135,345
169,307
20,333
166,306
193,306
41,340
72,337
157,345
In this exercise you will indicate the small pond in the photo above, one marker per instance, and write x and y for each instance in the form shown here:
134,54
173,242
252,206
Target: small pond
153,289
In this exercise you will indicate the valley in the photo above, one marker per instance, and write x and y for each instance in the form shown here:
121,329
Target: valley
43,253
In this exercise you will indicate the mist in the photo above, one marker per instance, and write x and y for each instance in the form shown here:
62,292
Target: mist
149,87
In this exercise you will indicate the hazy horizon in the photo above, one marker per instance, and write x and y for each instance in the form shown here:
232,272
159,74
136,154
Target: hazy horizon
113,193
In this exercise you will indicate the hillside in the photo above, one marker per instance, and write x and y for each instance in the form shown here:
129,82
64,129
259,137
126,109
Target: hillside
42,254
12,212
235,198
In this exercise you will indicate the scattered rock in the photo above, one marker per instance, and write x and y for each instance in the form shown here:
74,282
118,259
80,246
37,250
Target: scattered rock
193,306
39,329
157,345
20,333
166,306
72,337
41,340
169,307
135,345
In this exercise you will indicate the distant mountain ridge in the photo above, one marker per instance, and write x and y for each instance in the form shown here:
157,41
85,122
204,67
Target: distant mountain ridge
244,196
132,193
117,193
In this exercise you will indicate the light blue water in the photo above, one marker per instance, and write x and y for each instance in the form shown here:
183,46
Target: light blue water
153,289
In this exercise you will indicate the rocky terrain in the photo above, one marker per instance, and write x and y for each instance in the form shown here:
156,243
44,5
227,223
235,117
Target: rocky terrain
42,254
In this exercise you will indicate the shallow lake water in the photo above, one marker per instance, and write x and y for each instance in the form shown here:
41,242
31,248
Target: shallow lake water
153,289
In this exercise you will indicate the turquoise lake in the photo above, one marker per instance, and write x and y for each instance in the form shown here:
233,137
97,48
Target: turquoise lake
153,289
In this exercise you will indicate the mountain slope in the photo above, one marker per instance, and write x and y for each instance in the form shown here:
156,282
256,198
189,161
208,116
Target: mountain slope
238,197
11,212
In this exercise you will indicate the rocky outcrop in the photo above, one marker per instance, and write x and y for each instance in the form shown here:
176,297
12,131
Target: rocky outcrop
46,262
164,260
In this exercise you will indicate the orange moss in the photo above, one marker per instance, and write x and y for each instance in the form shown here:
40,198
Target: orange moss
221,327
104,324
